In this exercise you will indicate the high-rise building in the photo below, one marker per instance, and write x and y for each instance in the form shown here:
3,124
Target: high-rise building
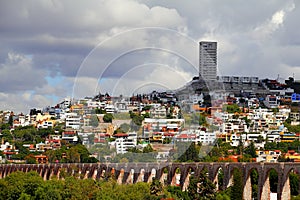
208,61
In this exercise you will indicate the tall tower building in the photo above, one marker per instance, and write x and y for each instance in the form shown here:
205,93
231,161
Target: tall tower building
208,61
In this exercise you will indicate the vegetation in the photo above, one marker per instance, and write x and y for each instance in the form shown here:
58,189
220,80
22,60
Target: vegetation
283,146
30,185
233,108
94,121
188,152
201,187
107,118
236,188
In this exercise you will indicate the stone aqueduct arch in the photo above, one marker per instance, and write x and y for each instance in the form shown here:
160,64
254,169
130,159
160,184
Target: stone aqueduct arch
122,172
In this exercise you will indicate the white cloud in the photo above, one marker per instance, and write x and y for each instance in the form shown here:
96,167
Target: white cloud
266,29
23,102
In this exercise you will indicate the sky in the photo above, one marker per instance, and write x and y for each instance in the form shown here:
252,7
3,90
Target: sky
52,49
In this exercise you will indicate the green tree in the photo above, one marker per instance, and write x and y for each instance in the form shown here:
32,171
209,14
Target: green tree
251,150
233,108
254,182
294,183
6,135
237,189
19,183
5,126
273,177
136,122
156,187
187,152
107,118
201,187
202,120
50,190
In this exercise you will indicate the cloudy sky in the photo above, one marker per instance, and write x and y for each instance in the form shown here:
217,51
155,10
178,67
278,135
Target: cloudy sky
51,49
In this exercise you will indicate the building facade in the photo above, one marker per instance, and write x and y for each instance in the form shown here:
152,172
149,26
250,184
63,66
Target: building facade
208,61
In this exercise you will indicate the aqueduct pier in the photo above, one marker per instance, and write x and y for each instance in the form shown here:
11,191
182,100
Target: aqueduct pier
168,173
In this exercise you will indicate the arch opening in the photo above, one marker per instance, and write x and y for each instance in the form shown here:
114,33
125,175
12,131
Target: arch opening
294,179
269,189
219,179
254,178
273,180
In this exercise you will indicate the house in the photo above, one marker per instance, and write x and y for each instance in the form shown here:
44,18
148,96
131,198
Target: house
70,137
292,156
73,120
41,159
267,155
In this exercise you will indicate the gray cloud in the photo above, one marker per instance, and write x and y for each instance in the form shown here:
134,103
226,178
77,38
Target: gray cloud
52,38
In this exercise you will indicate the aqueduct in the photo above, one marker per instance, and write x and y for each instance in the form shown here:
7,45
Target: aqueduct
168,173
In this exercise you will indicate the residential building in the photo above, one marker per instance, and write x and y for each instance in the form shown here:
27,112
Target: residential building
123,142
70,137
267,156
73,120
292,156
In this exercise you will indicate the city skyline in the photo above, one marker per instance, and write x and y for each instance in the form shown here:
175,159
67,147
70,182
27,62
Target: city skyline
45,44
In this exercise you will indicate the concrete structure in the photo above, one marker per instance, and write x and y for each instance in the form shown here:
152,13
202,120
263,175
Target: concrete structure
208,61
137,172
124,141
73,121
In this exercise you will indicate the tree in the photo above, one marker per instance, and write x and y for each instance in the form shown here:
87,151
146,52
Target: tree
136,121
52,189
107,118
73,156
234,108
188,152
6,135
202,120
30,159
10,119
20,183
237,189
156,187
125,127
273,177
251,150
94,121
201,187
294,183
254,182
5,126
100,111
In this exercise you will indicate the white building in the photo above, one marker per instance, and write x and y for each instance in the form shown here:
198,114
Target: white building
110,108
125,141
196,136
72,120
